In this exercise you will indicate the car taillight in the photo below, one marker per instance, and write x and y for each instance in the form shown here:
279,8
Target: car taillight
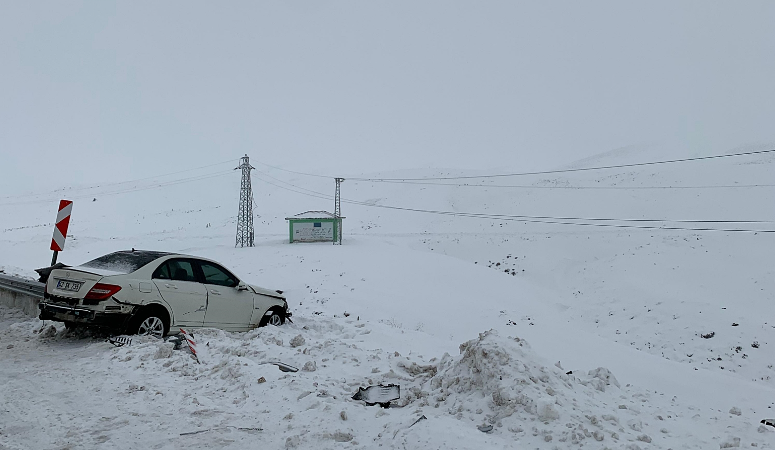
102,291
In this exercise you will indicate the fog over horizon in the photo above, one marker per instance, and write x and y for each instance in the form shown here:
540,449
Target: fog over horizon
99,91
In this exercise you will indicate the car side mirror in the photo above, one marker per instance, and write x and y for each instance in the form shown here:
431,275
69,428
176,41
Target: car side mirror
242,286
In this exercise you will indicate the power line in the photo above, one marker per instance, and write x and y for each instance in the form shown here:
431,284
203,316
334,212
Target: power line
642,227
117,183
590,219
563,220
127,190
608,219
578,221
231,160
293,171
527,186
289,184
529,219
581,169
308,193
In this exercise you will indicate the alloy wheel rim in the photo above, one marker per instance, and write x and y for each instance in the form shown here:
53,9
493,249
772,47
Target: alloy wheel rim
152,326
274,320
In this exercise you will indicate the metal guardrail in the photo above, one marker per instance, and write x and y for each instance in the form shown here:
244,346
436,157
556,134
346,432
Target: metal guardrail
22,286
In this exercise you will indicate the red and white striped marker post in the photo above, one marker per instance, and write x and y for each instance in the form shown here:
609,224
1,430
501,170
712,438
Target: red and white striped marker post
60,228
191,344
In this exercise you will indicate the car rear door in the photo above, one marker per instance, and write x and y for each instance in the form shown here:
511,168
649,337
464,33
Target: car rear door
228,308
179,287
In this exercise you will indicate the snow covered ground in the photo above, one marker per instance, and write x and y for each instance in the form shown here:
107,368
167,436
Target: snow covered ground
479,321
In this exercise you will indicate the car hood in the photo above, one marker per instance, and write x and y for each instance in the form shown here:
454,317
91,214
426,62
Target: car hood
267,292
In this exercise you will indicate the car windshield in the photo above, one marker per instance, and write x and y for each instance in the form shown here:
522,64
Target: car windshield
124,261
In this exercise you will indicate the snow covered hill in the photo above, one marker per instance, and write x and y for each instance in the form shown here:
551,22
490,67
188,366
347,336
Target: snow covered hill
680,318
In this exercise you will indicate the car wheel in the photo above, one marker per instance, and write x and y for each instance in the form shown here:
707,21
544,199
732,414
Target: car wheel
150,324
277,318
72,325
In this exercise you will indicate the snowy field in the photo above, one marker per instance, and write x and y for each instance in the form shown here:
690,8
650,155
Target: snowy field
556,336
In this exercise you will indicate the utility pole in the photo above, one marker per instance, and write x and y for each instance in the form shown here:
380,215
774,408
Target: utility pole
245,216
338,212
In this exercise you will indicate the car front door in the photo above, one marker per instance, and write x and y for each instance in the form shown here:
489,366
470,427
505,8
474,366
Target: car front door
180,288
228,308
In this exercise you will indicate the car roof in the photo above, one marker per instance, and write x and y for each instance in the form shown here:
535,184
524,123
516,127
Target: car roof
125,261
150,253
147,255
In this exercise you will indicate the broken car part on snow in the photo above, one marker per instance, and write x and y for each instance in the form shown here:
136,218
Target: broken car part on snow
381,394
119,341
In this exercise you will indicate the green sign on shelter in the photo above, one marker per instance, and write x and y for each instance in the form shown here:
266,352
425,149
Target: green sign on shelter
314,226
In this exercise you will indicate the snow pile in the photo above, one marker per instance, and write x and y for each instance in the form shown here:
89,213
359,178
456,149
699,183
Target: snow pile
500,382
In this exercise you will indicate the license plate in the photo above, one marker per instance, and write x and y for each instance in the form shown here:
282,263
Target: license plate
73,286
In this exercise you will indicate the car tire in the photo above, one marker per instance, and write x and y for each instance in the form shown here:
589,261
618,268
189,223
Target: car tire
151,322
72,326
277,317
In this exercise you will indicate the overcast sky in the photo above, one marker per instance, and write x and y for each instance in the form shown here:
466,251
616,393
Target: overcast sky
103,90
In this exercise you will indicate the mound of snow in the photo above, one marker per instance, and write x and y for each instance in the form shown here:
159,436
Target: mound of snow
500,381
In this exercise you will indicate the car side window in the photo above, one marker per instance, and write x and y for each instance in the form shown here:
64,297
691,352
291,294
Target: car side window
176,270
217,275
162,272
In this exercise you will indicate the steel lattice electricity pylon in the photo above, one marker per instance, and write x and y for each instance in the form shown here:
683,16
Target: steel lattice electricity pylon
245,216
338,212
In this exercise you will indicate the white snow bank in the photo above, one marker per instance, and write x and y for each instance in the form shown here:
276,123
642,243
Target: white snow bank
499,381
87,393
500,391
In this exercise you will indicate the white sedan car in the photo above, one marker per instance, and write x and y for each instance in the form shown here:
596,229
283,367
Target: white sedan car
156,293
